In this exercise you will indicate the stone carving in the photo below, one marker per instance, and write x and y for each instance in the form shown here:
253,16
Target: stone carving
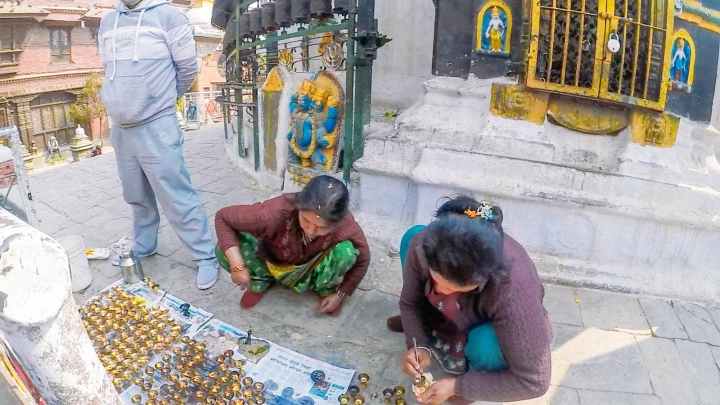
314,135
654,128
518,103
494,24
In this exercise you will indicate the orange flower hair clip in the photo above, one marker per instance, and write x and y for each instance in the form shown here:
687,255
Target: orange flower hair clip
484,211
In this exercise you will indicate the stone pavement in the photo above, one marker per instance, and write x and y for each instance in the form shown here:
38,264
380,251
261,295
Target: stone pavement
608,348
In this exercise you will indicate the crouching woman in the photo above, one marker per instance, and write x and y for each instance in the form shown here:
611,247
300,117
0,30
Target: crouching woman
307,241
473,300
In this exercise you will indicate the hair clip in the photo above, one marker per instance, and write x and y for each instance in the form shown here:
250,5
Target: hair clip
330,185
484,211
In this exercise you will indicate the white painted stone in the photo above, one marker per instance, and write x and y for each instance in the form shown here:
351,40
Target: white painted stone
701,369
698,323
554,396
598,211
605,398
612,312
662,318
49,339
667,373
562,305
595,359
405,63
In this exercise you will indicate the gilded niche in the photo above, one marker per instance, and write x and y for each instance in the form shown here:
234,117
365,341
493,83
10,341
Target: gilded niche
493,28
682,61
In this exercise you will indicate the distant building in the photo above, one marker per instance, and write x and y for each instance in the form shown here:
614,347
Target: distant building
207,43
48,49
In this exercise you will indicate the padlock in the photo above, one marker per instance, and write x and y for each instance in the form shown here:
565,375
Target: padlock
613,44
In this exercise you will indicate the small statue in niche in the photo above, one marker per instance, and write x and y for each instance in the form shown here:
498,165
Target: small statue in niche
495,31
494,23
680,62
314,119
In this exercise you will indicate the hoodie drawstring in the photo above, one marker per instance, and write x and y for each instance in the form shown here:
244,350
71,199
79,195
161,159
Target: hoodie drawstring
137,34
117,18
114,35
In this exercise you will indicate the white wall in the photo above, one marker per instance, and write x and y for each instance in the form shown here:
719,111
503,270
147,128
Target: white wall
405,63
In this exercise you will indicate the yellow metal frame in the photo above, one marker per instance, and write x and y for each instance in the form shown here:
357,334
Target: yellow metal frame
607,22
531,80
681,33
607,57
508,29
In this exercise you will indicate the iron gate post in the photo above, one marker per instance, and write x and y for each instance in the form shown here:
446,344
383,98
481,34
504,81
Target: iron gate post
349,96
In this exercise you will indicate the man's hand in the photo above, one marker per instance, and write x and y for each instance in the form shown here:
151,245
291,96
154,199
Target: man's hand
413,367
438,392
329,304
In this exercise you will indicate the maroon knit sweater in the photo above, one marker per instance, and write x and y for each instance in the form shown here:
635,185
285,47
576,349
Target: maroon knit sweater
276,226
516,311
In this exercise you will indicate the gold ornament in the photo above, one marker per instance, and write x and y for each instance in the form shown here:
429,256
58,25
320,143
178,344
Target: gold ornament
363,378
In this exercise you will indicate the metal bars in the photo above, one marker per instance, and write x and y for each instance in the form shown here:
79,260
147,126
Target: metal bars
568,51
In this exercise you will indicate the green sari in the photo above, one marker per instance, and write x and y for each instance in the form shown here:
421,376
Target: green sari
322,274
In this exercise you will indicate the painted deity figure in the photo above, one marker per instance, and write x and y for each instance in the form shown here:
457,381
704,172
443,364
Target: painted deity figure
680,63
314,119
495,31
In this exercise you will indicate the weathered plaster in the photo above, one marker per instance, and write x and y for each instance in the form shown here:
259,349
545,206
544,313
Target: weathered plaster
591,209
41,321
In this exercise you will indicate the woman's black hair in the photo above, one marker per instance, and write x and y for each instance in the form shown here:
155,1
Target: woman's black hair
326,196
462,249
459,204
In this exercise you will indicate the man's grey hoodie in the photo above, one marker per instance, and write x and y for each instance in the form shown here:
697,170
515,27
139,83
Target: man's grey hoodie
149,58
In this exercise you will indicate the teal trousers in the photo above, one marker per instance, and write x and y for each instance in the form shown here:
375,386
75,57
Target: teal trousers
482,350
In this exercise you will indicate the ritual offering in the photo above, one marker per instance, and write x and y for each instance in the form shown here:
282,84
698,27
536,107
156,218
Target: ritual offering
388,394
159,350
363,378
421,383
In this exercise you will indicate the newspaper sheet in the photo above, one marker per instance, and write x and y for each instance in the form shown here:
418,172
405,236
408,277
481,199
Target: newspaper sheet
285,373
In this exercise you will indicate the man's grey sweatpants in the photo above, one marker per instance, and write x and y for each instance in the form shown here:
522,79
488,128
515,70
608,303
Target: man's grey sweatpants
151,165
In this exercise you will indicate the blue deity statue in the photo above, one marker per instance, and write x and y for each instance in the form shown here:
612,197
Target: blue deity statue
680,62
312,125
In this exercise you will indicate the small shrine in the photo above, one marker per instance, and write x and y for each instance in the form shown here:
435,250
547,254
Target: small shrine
80,145
587,121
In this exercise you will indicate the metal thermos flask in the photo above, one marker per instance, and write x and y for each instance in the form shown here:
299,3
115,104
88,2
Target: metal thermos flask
131,268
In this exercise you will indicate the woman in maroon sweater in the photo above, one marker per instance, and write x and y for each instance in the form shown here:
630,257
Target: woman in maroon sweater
473,301
306,242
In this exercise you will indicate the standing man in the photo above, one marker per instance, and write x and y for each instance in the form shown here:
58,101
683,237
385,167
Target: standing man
148,52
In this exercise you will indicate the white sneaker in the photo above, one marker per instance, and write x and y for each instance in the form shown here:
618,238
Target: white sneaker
207,276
